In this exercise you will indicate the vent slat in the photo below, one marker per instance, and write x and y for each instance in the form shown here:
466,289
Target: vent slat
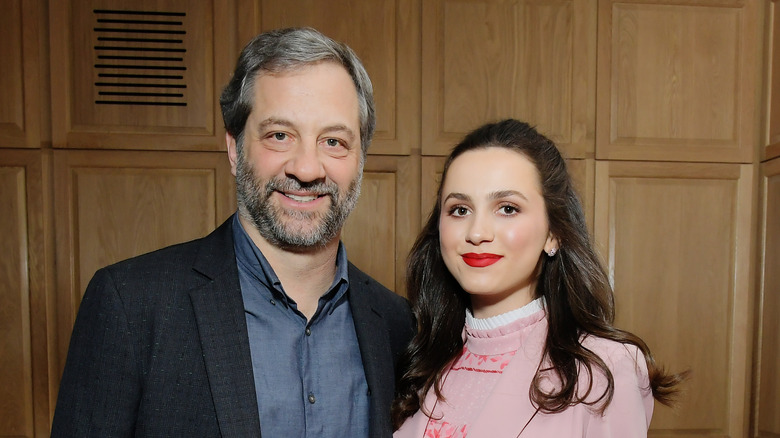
139,40
146,24
120,12
141,49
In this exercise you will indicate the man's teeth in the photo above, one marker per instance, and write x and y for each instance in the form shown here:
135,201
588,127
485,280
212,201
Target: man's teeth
301,198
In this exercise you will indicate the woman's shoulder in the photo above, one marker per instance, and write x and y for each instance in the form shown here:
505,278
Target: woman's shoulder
632,400
625,361
614,353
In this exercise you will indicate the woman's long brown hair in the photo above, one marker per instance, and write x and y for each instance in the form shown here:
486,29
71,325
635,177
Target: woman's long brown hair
579,299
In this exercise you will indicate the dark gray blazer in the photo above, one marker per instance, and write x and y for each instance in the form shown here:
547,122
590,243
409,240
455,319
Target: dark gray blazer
160,347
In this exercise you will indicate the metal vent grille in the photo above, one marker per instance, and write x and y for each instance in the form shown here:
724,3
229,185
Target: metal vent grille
139,58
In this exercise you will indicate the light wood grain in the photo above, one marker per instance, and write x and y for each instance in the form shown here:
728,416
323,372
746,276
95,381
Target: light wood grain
381,230
114,205
487,60
385,35
20,74
11,83
678,81
15,345
768,391
26,286
676,239
80,122
772,149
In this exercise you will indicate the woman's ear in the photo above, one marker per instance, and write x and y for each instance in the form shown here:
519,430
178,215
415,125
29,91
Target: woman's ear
551,246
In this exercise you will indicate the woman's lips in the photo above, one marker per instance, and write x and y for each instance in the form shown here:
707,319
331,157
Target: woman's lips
480,260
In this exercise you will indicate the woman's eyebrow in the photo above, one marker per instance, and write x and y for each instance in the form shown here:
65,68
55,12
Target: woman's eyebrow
458,196
505,194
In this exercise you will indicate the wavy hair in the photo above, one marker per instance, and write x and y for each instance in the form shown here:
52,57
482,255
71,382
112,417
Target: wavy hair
579,298
285,50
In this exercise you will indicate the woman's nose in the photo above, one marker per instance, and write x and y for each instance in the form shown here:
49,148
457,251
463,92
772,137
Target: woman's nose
480,229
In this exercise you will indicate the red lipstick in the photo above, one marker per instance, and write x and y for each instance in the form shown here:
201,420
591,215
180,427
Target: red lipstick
480,260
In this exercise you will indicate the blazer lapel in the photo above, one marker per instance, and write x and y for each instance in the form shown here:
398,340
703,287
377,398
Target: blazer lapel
219,312
375,352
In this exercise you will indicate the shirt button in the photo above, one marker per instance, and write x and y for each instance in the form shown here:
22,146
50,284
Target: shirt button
273,302
311,398
308,333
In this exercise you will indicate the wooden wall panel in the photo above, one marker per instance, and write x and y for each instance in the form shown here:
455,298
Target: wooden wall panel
380,232
11,72
127,71
678,81
772,149
20,82
25,284
431,169
677,240
493,59
768,389
15,349
582,172
115,205
385,35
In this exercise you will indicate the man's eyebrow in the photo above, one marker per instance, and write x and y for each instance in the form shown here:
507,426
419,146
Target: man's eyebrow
272,121
340,128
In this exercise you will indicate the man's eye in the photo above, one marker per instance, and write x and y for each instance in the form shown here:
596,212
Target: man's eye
280,136
332,142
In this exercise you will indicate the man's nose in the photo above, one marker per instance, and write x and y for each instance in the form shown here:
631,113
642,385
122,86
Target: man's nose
305,164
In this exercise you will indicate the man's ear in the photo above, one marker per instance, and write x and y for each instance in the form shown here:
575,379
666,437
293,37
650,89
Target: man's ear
232,152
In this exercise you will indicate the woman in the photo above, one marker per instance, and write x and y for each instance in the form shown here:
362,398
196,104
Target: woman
515,310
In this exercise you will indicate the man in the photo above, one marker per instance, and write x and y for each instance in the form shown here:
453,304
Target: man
262,325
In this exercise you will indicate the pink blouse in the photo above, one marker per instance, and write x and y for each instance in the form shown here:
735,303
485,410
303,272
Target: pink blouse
486,390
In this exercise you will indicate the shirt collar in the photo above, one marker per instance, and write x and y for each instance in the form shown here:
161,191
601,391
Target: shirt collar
250,256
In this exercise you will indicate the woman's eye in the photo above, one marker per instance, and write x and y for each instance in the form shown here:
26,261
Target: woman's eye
508,209
332,142
459,211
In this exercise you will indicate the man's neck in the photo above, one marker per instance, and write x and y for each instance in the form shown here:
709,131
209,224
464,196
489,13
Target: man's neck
305,275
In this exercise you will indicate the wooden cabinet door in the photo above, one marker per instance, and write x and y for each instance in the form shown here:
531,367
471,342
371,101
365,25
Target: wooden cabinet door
125,71
767,396
112,205
26,319
22,72
676,238
494,59
677,80
381,230
772,149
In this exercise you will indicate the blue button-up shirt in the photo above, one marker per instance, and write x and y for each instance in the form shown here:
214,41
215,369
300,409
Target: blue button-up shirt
308,374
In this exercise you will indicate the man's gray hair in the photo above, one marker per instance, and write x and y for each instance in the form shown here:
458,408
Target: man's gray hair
284,50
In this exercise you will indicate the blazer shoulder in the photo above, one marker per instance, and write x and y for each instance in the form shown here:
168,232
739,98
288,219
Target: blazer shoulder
217,244
176,267
368,285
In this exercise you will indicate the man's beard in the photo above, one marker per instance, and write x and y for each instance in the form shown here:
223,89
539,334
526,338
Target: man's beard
292,229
